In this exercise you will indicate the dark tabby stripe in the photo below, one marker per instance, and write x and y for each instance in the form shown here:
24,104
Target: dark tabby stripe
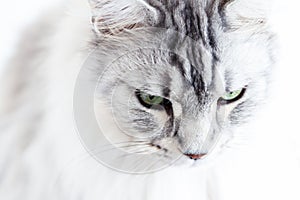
194,19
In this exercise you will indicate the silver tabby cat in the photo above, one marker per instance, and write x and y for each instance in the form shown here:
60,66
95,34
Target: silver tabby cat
158,88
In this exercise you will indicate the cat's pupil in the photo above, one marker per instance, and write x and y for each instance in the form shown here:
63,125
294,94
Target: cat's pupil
151,97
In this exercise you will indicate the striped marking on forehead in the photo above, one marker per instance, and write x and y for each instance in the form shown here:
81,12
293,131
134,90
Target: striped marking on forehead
192,18
199,78
189,17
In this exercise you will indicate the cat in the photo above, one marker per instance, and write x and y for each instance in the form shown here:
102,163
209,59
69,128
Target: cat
159,89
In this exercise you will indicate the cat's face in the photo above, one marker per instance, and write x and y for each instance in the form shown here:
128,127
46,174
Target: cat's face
182,88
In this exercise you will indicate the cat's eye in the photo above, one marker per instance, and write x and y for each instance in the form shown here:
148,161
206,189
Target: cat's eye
149,100
153,101
232,96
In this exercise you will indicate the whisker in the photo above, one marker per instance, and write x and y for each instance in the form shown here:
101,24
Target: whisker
124,142
138,165
117,147
156,161
144,151
125,146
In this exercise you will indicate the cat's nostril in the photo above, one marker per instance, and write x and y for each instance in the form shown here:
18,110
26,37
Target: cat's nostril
195,156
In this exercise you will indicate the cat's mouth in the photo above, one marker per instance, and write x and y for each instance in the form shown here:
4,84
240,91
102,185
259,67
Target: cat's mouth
180,154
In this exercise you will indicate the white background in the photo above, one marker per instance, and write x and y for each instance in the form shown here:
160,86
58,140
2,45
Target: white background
15,15
283,119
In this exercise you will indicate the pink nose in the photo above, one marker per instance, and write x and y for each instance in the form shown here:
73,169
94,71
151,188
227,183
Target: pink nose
195,156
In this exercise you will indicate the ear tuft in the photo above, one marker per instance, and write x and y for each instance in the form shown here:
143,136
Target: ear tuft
110,17
245,14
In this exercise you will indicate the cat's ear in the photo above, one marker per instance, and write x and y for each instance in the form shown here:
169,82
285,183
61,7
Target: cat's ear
110,17
245,14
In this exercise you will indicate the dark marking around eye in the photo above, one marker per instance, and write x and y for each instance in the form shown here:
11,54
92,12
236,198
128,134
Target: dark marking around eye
138,95
166,92
165,105
176,127
224,102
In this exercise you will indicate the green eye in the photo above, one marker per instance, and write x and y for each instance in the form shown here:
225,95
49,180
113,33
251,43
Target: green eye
149,100
233,96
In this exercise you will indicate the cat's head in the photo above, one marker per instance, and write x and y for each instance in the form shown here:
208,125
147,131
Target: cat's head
178,77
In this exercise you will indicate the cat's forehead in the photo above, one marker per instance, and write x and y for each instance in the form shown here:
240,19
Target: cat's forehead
207,55
196,72
188,17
